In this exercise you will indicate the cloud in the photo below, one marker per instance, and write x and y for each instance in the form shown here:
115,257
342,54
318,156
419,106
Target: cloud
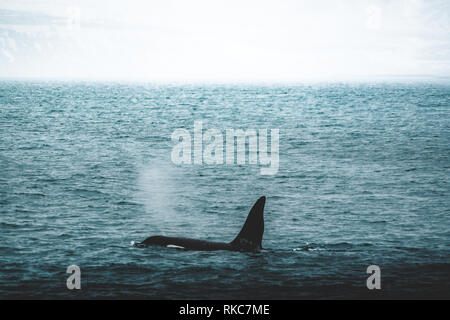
225,40
17,17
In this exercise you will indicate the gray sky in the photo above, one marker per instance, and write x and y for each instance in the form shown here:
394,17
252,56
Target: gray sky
208,40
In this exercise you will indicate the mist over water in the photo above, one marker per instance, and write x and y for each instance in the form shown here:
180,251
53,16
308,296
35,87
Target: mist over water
363,179
158,193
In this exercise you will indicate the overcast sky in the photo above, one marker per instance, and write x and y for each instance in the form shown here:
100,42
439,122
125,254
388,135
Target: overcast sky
230,40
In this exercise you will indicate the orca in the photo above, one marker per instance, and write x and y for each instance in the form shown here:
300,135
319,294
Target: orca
249,239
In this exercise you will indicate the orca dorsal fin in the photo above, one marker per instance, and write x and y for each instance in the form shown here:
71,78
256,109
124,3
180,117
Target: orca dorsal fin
250,237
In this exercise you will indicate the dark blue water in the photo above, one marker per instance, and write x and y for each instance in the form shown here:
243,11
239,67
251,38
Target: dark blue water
364,176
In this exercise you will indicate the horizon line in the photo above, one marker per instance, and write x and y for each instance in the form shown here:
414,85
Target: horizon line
346,79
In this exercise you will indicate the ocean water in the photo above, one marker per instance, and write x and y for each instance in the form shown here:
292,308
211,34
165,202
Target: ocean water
85,168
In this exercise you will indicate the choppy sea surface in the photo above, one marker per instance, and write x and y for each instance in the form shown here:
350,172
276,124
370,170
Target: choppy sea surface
364,173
